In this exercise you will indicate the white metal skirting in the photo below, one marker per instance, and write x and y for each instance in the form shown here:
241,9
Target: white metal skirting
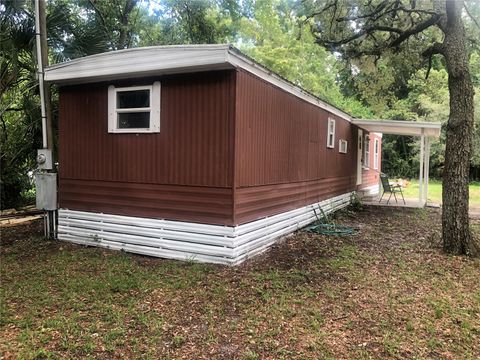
229,245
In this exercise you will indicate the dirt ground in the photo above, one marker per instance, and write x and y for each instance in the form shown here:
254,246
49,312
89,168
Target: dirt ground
387,292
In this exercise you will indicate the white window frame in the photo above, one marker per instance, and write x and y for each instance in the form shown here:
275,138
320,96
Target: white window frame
154,109
376,149
366,149
342,143
331,134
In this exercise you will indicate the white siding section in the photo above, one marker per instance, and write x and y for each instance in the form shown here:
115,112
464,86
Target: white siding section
187,241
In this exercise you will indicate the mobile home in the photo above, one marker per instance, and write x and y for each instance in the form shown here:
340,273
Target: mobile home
198,152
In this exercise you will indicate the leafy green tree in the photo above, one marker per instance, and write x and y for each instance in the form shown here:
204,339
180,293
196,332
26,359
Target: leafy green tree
275,37
190,22
19,101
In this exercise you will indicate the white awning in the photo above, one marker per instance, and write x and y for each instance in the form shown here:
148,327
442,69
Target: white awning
400,127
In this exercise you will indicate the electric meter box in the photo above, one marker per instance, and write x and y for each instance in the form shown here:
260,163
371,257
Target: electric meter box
44,159
46,189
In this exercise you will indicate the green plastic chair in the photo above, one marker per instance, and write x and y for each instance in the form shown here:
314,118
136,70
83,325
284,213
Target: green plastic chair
389,188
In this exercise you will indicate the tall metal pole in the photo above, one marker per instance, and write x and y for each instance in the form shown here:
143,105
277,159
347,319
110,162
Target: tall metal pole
46,113
46,85
40,73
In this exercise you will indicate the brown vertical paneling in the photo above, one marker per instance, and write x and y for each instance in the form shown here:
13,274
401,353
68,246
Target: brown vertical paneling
192,147
282,161
192,151
282,138
186,203
233,140
255,202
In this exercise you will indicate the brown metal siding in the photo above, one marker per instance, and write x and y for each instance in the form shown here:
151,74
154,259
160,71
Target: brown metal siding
259,201
282,161
192,154
188,203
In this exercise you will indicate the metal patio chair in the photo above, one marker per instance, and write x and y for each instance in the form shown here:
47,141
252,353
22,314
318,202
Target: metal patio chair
390,188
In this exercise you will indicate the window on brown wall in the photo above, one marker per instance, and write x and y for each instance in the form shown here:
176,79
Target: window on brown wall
331,133
134,109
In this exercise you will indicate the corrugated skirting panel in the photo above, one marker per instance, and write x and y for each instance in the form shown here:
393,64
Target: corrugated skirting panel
187,241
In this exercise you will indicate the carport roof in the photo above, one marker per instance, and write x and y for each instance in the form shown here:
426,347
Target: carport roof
400,127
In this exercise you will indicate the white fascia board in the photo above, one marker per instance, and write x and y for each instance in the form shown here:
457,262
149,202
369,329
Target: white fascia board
253,67
401,123
139,51
138,62
136,75
400,127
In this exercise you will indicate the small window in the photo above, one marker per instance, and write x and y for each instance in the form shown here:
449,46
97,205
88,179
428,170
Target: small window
331,133
342,146
376,150
366,146
134,109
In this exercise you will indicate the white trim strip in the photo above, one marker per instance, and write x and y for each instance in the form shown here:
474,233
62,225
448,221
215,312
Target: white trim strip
162,48
179,240
400,127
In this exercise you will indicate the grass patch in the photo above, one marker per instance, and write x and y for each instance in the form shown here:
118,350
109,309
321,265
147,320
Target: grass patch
435,191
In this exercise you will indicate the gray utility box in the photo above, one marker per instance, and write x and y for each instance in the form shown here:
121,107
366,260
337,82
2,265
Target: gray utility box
46,186
44,159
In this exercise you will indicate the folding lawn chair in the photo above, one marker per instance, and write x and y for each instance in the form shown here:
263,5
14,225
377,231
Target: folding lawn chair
390,188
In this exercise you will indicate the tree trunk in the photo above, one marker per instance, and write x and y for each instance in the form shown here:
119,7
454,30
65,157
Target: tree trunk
457,238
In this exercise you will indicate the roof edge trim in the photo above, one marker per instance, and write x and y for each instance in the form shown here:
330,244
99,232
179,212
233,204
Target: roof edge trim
400,127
